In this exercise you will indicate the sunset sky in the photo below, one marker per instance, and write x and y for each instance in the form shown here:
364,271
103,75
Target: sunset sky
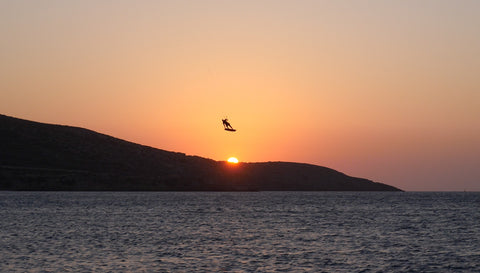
385,90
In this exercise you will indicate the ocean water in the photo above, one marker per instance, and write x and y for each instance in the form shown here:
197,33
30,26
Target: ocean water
239,232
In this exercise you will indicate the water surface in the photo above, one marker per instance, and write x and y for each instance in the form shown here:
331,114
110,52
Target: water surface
239,232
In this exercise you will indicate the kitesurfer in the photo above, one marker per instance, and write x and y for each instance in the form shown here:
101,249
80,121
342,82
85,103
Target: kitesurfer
226,124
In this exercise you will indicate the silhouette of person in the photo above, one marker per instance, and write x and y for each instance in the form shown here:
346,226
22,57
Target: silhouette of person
226,124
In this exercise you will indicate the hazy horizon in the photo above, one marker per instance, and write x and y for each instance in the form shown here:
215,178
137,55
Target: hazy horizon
386,91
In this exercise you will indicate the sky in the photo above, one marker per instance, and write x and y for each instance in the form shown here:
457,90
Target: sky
384,90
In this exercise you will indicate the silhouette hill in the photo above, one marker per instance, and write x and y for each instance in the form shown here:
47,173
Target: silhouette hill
39,156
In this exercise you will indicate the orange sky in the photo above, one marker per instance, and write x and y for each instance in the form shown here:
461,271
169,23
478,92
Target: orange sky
386,90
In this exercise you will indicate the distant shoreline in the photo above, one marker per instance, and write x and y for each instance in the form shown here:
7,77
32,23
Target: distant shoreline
46,157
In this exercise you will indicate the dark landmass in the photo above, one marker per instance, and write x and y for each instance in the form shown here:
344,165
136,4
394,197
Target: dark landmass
38,156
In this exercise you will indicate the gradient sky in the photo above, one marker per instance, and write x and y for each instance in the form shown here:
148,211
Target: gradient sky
385,90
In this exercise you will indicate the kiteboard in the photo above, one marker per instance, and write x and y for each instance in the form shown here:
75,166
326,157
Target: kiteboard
231,130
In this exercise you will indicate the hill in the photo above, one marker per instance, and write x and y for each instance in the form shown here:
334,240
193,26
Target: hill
39,156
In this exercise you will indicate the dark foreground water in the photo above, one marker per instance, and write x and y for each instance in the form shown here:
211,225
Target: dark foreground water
239,232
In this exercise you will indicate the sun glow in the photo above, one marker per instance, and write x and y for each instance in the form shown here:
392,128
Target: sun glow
233,160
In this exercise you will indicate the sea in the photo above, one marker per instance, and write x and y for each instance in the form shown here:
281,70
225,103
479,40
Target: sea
239,232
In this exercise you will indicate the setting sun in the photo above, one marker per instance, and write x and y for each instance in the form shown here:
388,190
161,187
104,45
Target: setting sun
233,160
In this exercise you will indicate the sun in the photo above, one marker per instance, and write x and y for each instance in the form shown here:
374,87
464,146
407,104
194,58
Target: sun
233,160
